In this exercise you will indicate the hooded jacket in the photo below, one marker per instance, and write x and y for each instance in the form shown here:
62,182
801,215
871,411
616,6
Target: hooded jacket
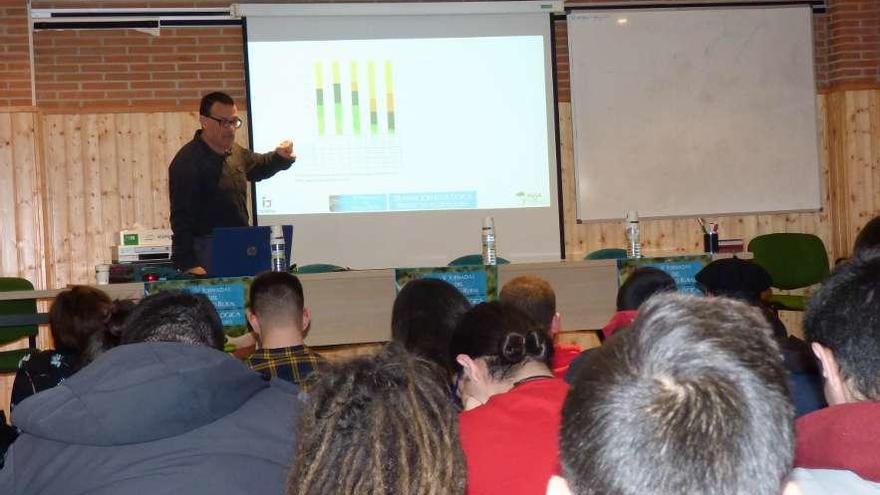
157,418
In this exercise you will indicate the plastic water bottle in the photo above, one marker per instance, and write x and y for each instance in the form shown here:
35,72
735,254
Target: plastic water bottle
489,255
634,243
276,246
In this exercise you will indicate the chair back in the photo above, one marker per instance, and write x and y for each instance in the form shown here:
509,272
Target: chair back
606,254
474,259
793,260
9,359
320,268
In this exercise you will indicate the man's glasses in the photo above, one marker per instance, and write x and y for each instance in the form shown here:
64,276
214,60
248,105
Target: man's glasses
234,122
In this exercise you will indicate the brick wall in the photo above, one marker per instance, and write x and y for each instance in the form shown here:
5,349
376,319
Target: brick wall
820,49
15,72
113,68
563,86
854,42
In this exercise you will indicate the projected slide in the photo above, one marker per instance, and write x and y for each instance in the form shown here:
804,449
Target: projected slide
403,124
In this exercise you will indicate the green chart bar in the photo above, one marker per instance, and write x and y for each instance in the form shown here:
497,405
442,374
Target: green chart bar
319,94
337,98
389,92
355,99
371,85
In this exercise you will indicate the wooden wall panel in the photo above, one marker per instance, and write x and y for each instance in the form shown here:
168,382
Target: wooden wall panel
21,208
108,183
107,172
862,158
8,235
852,132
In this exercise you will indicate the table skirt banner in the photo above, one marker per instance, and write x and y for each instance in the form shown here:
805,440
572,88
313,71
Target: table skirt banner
477,283
229,296
682,269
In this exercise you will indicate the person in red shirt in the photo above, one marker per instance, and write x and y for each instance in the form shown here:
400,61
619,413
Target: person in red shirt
510,424
535,297
842,325
639,287
641,284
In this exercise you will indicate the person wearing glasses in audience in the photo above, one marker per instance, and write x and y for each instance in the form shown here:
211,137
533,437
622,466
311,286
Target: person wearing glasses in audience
207,181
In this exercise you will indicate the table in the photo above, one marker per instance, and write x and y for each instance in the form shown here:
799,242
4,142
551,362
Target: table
354,307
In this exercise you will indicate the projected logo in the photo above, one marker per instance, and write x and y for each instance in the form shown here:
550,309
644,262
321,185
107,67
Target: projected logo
353,97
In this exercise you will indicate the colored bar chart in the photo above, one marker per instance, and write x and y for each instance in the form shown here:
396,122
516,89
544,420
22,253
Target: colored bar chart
341,82
337,97
319,94
389,96
374,113
355,99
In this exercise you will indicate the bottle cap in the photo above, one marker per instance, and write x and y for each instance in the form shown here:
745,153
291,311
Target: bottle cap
489,223
277,232
632,216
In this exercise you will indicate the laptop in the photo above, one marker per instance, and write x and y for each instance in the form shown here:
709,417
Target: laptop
244,251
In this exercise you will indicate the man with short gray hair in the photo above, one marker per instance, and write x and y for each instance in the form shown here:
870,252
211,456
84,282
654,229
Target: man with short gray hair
691,399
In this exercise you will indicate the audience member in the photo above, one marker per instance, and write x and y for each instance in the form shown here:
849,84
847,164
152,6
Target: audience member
869,236
8,435
281,322
536,298
115,324
424,316
379,425
512,401
842,324
167,412
693,400
81,321
750,283
639,287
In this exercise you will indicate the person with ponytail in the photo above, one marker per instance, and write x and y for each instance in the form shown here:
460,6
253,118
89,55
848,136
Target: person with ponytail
512,403
84,322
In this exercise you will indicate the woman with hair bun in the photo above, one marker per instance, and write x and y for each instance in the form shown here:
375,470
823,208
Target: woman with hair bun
84,322
512,402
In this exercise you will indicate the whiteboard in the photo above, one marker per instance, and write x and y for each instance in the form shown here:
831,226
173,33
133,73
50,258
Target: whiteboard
681,112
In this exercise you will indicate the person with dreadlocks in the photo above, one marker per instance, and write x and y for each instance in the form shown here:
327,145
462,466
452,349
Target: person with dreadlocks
380,424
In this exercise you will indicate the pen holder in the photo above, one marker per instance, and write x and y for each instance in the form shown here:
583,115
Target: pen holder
710,242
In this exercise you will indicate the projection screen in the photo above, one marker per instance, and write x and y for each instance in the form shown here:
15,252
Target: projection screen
412,122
